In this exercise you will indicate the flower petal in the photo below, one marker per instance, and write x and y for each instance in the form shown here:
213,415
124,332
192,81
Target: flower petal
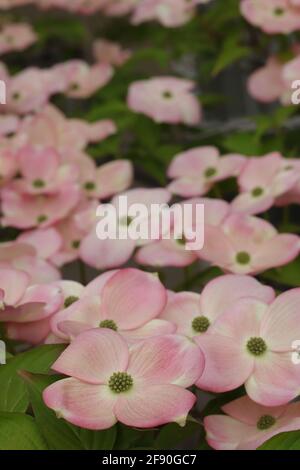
132,297
155,405
85,405
94,356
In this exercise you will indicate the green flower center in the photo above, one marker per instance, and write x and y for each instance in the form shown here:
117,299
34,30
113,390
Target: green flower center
120,382
108,324
209,172
74,86
243,257
38,183
265,422
256,346
41,218
16,96
256,192
200,324
89,186
70,300
75,244
279,11
167,94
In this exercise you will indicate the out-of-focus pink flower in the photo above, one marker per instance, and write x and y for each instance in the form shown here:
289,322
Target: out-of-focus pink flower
252,344
43,172
106,180
9,124
196,314
128,301
80,79
170,13
26,308
16,37
32,253
8,163
7,4
266,84
141,387
27,211
112,252
245,244
108,52
172,251
119,7
165,99
261,181
196,170
272,16
247,425
28,91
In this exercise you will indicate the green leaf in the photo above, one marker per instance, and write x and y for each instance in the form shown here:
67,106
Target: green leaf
230,53
245,143
289,275
172,435
19,432
58,433
14,396
283,441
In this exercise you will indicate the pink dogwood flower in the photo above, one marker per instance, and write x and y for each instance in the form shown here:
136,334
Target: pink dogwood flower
43,171
128,301
80,79
9,124
108,52
245,244
165,99
16,37
266,84
252,344
170,13
247,425
196,170
26,308
26,211
144,386
272,16
107,180
114,251
195,314
172,251
261,181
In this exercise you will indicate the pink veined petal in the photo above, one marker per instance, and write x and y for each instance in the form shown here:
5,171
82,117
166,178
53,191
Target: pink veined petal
94,356
156,327
219,294
248,204
181,310
189,186
226,365
280,250
275,379
33,332
225,433
143,196
281,324
95,287
85,405
215,209
113,177
154,405
45,241
105,254
246,410
230,165
13,283
193,161
132,297
165,253
241,320
166,359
